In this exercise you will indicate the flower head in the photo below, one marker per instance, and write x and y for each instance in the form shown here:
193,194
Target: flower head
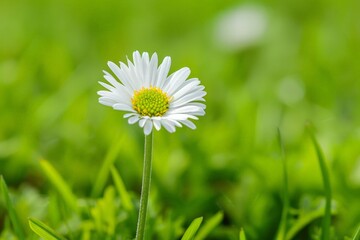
151,97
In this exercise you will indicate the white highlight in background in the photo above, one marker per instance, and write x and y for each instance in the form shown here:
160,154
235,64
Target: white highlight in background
240,27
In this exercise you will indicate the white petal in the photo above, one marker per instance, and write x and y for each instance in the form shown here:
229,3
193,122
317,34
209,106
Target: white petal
181,116
184,103
194,89
107,86
169,126
145,65
124,91
148,127
185,89
138,65
126,115
197,104
123,107
115,69
186,110
137,59
103,93
133,119
201,105
176,81
120,89
107,101
196,96
175,122
142,122
108,94
134,74
109,77
188,124
145,57
116,97
157,124
163,72
130,78
152,73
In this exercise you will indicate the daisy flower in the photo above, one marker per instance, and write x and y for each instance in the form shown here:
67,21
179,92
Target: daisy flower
151,97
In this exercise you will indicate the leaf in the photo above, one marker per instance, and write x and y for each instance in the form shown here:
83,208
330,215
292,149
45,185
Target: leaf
242,234
59,183
192,229
304,221
18,228
209,225
120,186
104,212
327,187
356,234
43,230
283,223
105,168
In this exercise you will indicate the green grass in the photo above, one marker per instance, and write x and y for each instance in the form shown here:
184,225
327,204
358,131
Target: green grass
43,230
192,229
242,235
285,210
59,185
327,188
209,226
230,170
356,234
14,218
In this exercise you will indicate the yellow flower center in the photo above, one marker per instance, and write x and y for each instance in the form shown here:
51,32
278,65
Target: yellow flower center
150,102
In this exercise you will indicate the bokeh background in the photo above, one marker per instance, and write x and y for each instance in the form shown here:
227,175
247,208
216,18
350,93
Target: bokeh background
265,65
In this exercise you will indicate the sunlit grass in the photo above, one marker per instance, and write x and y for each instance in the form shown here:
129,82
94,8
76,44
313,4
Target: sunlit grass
43,230
327,188
14,218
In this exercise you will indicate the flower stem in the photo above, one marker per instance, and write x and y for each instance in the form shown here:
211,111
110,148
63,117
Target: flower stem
145,188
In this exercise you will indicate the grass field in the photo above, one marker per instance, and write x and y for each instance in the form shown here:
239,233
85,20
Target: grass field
267,66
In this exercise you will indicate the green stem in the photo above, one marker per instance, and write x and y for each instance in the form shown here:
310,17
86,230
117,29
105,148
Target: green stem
145,188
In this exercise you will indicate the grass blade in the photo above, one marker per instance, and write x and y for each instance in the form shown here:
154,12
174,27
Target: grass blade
192,229
209,225
327,187
120,186
60,185
18,228
105,168
43,230
283,223
242,234
304,221
356,234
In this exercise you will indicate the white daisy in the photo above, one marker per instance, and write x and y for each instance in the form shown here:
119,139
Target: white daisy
150,96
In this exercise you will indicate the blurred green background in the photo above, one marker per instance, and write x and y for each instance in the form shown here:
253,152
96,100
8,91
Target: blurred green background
265,65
